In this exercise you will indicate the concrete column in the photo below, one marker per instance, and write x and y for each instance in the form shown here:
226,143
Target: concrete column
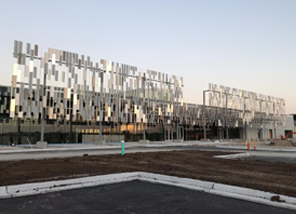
144,135
42,143
226,117
101,130
101,141
204,103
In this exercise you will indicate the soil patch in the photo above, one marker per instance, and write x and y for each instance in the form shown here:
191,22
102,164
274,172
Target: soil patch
279,178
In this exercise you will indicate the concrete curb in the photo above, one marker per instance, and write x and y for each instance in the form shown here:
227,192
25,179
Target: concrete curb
52,186
221,189
234,156
184,144
259,149
206,186
3,193
60,149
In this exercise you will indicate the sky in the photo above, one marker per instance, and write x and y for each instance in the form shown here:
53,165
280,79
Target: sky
245,44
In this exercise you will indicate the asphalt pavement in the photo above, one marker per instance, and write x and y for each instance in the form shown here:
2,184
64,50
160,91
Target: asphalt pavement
133,197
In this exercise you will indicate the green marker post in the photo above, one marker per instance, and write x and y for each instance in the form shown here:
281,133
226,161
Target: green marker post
122,147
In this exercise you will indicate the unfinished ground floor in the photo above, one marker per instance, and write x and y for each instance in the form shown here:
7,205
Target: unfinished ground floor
25,131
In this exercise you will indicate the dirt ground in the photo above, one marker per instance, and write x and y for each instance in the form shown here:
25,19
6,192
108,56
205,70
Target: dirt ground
278,177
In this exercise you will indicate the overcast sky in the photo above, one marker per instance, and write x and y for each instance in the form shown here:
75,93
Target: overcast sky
246,44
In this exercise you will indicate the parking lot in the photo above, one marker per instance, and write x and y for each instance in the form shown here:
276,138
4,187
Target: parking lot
133,197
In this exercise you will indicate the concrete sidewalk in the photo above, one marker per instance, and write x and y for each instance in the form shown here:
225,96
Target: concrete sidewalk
71,150
260,148
90,146
153,144
76,150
